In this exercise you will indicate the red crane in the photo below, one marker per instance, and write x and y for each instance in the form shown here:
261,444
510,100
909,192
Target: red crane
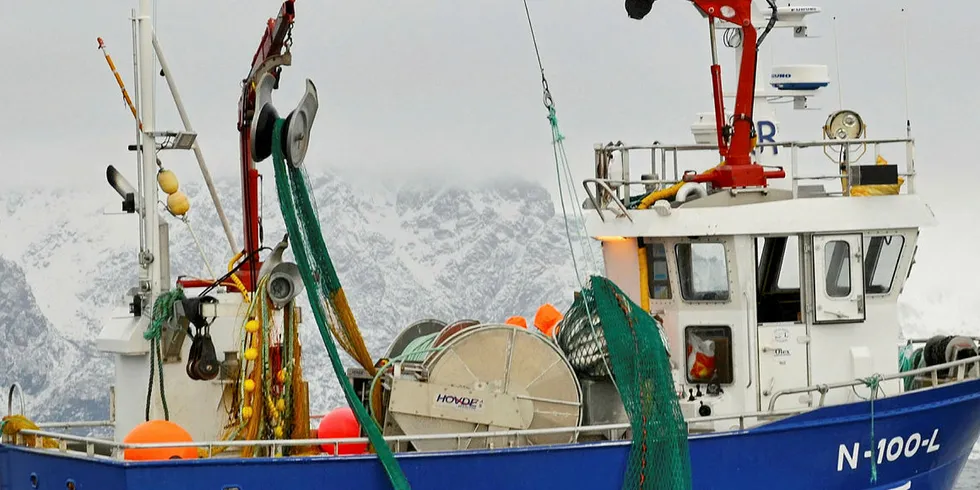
268,58
735,141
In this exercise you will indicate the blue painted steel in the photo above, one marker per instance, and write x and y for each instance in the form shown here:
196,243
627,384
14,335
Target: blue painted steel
926,438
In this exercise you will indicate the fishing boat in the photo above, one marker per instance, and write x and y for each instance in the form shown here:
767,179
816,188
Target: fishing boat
743,331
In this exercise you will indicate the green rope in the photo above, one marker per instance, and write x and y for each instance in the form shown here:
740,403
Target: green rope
418,348
908,359
163,310
873,384
553,119
320,279
415,351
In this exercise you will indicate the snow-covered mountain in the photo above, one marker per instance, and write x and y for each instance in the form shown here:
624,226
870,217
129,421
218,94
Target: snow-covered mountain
403,251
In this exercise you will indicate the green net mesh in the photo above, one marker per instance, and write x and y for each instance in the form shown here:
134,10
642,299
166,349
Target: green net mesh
324,291
604,329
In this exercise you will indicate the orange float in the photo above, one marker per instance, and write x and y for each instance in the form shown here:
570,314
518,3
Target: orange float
341,423
517,321
155,432
547,318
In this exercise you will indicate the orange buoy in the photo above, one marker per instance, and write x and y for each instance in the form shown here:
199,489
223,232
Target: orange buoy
341,423
547,318
517,321
158,431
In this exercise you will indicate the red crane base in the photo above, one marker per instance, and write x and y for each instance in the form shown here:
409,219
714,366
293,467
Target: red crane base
735,176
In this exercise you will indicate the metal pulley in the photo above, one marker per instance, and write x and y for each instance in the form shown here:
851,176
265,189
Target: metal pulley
295,137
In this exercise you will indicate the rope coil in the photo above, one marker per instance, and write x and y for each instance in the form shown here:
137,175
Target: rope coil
163,311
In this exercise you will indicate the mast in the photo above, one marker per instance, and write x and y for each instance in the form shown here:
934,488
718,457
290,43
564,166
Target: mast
151,265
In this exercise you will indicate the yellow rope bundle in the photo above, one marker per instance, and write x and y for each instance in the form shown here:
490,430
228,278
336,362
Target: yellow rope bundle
272,401
350,340
11,425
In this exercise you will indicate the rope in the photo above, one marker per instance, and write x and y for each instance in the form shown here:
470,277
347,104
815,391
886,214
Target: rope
11,425
416,351
561,163
873,383
204,257
325,294
163,310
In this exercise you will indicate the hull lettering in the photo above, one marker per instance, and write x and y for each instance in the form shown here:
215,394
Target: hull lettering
887,450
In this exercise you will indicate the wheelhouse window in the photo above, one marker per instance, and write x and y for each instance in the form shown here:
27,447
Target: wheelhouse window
837,257
882,254
778,294
657,276
703,271
709,354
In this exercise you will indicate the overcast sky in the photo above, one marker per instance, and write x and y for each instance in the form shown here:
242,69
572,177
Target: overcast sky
450,90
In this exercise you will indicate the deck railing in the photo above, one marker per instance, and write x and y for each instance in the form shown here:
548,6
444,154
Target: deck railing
605,189
92,447
932,371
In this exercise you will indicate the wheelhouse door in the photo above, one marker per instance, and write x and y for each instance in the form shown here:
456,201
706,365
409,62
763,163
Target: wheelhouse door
782,337
838,279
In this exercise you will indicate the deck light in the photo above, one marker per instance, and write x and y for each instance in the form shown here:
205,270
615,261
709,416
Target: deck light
844,125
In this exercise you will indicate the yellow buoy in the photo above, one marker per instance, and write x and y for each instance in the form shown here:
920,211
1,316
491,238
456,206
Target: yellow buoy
251,353
246,412
252,326
168,181
249,385
178,203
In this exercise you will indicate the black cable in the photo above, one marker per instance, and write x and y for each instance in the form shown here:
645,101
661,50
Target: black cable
772,23
245,260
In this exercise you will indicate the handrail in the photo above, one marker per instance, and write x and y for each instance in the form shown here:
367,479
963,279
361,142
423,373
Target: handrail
824,388
10,399
211,445
91,442
619,187
612,195
85,424
777,144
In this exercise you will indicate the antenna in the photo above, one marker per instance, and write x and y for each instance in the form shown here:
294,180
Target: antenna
905,60
840,88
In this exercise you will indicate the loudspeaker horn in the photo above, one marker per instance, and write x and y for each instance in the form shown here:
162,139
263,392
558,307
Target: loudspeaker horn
285,284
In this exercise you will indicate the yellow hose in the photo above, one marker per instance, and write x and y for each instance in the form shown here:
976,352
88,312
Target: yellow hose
668,192
235,279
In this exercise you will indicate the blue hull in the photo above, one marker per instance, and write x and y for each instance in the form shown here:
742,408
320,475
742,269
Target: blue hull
923,440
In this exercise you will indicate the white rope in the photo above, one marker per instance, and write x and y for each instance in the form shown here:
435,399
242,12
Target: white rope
204,256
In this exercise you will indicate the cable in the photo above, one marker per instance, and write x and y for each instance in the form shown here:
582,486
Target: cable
733,37
772,23
223,278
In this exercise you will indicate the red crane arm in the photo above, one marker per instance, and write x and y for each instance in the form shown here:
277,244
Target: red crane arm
735,141
274,41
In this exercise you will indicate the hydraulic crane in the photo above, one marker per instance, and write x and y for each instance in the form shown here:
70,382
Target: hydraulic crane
735,139
273,52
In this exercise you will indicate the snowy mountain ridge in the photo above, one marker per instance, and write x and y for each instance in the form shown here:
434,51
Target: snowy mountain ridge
404,252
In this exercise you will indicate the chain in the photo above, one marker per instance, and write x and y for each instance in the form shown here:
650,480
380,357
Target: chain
549,102
289,38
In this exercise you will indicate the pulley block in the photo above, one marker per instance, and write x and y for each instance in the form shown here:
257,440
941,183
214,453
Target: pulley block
295,137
